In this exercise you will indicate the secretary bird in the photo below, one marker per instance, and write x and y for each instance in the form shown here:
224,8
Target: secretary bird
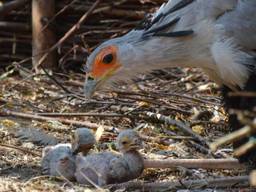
215,35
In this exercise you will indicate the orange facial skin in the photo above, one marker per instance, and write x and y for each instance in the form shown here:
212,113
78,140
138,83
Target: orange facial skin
100,69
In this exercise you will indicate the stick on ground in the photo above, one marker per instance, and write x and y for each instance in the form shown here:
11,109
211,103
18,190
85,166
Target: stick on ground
64,121
195,163
224,182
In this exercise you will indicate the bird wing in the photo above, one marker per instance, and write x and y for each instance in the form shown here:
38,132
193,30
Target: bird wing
240,24
224,35
237,17
119,169
180,15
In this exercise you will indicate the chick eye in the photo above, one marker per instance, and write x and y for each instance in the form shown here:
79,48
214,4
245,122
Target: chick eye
124,142
108,58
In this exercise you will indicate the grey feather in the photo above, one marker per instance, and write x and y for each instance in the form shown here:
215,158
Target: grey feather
238,17
36,136
240,24
59,160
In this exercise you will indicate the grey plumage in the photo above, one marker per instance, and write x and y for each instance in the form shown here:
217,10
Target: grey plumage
217,36
223,43
106,168
83,141
59,160
36,136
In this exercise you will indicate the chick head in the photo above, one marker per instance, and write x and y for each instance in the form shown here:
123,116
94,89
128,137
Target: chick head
83,141
128,140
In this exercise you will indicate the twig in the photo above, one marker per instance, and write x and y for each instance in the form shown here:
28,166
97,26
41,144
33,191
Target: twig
183,127
222,182
186,97
64,121
242,94
81,114
194,163
106,8
10,6
14,26
20,149
253,178
200,148
230,138
57,14
243,149
56,81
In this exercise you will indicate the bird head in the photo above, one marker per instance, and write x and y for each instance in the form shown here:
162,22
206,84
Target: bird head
123,58
83,141
106,62
128,140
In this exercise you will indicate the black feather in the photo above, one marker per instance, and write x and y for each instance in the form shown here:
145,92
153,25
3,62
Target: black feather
148,22
175,34
179,6
163,27
156,19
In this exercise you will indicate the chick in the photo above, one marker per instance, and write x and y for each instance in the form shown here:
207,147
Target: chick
108,168
59,160
83,141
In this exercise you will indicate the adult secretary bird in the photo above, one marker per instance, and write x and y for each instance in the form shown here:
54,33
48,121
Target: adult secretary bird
218,36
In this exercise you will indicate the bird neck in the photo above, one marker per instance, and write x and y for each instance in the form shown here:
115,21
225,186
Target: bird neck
156,54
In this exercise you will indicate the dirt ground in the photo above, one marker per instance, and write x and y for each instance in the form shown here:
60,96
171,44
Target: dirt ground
180,94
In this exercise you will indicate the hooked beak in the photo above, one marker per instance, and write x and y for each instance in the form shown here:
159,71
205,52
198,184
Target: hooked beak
92,84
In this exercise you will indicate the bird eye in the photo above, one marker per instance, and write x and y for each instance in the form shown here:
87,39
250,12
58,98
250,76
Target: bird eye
124,142
107,59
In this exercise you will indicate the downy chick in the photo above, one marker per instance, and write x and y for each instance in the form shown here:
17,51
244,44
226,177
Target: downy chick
59,160
107,168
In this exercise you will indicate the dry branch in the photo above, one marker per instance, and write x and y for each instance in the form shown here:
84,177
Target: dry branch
195,163
224,182
245,148
6,8
64,121
14,26
253,178
81,114
230,138
20,149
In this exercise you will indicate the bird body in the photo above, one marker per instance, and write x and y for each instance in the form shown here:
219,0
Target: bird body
222,43
59,160
215,35
107,168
